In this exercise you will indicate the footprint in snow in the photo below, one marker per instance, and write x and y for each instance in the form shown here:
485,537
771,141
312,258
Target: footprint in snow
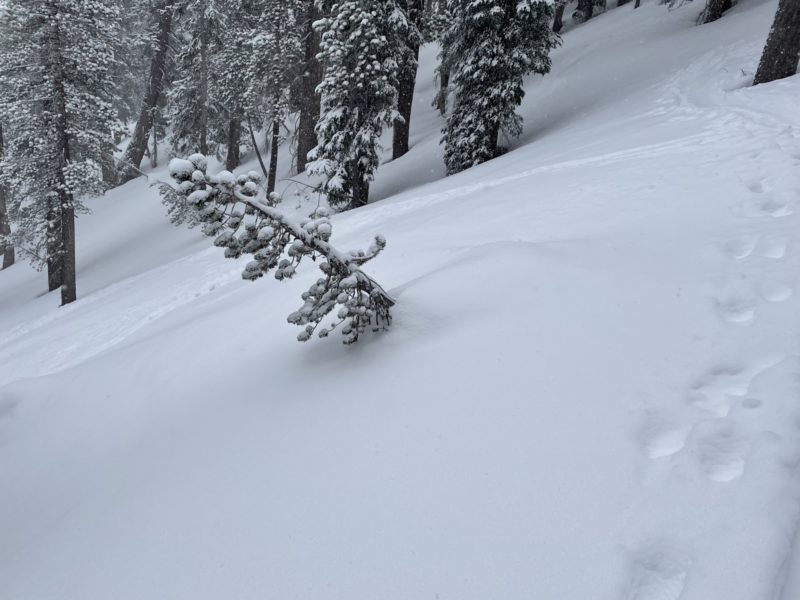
719,450
773,247
775,208
756,186
740,248
725,385
661,437
657,574
774,291
736,310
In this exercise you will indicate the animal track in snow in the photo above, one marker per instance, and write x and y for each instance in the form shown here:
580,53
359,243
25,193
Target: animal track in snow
657,574
716,391
719,450
736,310
774,291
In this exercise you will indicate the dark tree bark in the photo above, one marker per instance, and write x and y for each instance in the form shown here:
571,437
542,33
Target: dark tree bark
360,192
782,50
234,136
273,156
154,152
55,270
587,8
309,100
638,3
257,151
558,19
65,254
155,86
715,8
7,250
63,226
441,96
408,81
203,120
621,2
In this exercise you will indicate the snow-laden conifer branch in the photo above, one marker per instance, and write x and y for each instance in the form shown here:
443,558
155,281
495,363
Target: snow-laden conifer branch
230,210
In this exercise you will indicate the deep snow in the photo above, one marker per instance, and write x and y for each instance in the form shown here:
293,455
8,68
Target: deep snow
590,389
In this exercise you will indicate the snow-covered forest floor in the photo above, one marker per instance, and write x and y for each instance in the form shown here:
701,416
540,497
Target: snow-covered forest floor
590,390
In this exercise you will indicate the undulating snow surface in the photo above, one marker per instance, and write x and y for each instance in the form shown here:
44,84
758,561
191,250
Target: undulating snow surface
590,390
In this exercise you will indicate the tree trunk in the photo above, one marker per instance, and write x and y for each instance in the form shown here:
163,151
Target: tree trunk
360,192
558,19
441,97
782,49
6,249
408,81
310,100
203,124
587,8
55,271
715,8
493,142
234,136
66,209
621,2
273,156
154,153
155,85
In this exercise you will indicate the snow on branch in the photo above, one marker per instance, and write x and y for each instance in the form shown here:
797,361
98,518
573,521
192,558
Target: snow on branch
231,211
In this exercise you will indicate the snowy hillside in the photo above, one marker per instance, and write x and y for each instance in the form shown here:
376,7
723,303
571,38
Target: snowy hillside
590,390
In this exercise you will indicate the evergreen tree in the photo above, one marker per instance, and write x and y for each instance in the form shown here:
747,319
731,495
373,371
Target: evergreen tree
200,32
243,222
364,44
274,68
159,45
489,48
58,115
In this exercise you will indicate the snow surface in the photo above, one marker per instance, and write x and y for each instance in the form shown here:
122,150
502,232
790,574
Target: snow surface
590,390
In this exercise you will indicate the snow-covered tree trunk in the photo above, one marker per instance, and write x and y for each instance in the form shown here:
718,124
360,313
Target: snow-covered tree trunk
309,97
6,246
782,50
155,85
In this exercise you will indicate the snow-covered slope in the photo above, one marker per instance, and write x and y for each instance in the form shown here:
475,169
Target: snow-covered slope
590,390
